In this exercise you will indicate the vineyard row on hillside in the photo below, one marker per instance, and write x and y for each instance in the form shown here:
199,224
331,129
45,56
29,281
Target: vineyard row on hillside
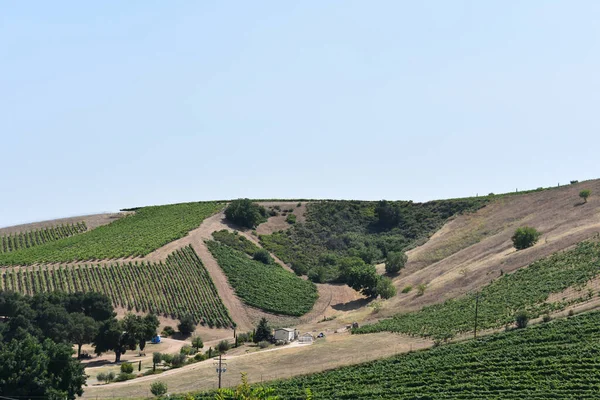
556,360
134,235
25,240
526,289
179,286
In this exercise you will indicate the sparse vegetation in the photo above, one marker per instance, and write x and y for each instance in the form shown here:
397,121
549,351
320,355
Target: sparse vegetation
245,213
236,241
407,289
421,289
525,237
266,286
134,235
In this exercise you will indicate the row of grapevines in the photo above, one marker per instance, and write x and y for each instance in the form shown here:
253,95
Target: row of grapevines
178,286
266,286
134,235
24,240
557,360
526,289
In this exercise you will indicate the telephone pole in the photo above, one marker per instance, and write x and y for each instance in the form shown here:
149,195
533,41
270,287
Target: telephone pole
221,367
476,309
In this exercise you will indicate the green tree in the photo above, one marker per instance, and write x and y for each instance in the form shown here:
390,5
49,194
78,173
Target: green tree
525,237
156,359
111,336
394,262
244,212
197,343
385,288
263,256
186,325
158,388
584,194
521,319
359,275
223,346
263,331
83,330
127,368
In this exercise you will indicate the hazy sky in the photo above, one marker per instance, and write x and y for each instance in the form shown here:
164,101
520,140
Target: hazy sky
113,104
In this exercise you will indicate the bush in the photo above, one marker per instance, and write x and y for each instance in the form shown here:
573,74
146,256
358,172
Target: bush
521,319
197,343
158,388
168,331
547,318
156,359
584,194
394,262
525,237
186,350
243,337
291,219
263,256
299,268
105,377
407,289
385,288
263,344
421,289
186,325
200,357
178,360
124,377
127,368
223,346
574,182
167,358
245,213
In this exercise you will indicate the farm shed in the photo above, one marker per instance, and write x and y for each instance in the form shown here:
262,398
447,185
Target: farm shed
285,334
306,338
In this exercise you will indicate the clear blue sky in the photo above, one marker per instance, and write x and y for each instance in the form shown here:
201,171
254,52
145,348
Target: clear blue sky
113,104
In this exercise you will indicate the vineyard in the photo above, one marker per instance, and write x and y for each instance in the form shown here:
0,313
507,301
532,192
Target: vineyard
179,286
235,241
265,286
556,360
526,289
25,240
132,236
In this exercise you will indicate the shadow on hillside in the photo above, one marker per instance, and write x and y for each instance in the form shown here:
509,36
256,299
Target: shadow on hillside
351,305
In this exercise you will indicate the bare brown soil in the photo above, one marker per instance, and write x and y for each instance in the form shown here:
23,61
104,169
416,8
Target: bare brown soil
91,221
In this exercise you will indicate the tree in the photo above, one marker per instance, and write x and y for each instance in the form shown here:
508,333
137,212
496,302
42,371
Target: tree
263,331
150,324
156,359
111,336
245,213
223,346
385,288
127,368
394,262
197,343
83,330
158,388
30,368
186,325
521,319
359,275
388,214
263,256
584,194
525,237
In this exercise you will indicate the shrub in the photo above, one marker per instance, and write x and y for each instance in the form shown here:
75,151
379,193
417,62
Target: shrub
574,182
168,331
521,319
186,350
197,343
421,289
243,337
407,289
200,357
263,256
178,360
291,219
299,268
571,312
298,205
106,377
124,377
584,194
385,288
394,262
156,359
547,318
167,358
245,213
263,344
186,325
525,237
127,368
158,388
223,346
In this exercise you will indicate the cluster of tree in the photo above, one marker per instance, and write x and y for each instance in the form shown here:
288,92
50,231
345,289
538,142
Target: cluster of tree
363,277
37,335
245,213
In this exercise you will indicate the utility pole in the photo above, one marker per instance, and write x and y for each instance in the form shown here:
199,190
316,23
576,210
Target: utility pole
221,368
476,309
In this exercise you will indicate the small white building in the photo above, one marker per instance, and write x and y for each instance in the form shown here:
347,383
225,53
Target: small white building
285,334
307,338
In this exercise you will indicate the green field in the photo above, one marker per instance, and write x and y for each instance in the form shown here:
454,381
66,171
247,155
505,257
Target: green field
131,236
525,289
235,241
265,286
556,360
25,240
178,286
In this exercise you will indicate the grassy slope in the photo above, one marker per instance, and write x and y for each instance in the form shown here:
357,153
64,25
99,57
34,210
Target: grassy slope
526,289
134,235
268,287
